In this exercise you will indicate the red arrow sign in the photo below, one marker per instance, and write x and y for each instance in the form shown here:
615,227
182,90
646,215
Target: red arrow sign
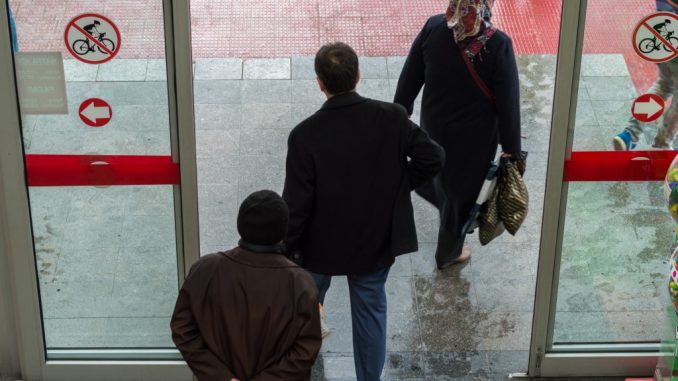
648,108
95,112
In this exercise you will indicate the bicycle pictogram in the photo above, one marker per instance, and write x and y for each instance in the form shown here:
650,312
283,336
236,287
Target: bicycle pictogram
92,38
649,44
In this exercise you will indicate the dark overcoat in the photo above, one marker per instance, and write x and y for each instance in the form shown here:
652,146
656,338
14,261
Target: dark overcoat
458,115
351,167
247,315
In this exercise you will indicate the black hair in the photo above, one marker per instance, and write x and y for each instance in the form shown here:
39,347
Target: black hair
336,65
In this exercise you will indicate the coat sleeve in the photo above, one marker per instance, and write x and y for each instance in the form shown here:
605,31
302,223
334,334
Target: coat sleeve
297,362
426,156
299,189
188,339
412,76
507,94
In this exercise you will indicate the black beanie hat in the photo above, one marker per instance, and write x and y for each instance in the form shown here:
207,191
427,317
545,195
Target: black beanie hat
262,218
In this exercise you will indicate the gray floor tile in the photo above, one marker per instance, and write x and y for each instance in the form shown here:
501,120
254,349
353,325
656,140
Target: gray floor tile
76,71
217,91
307,91
86,265
218,169
138,231
150,201
217,233
395,65
57,142
143,296
301,111
127,70
119,93
504,292
212,143
75,333
87,232
218,199
613,116
375,88
93,202
609,88
339,368
604,65
505,331
267,68
136,118
264,142
586,115
156,70
303,68
403,332
138,333
105,141
402,267
217,116
267,116
77,299
261,172
373,67
339,322
218,68
454,364
506,362
403,365
266,91
400,295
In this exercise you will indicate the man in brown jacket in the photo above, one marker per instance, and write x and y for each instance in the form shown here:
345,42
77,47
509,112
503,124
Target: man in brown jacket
249,314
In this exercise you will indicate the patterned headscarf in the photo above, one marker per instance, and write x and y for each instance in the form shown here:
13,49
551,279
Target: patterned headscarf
466,18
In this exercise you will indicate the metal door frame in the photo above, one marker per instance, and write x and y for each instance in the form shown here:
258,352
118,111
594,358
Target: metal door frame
547,360
21,313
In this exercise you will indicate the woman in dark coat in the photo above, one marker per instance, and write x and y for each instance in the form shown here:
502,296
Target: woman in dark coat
465,119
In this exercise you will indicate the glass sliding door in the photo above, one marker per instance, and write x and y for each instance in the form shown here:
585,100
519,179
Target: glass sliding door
108,158
603,302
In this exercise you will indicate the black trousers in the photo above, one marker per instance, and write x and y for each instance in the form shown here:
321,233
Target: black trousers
449,246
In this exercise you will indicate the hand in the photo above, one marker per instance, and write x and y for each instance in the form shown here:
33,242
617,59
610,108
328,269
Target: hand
234,379
505,155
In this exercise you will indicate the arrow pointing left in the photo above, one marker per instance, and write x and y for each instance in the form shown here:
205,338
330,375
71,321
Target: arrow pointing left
92,112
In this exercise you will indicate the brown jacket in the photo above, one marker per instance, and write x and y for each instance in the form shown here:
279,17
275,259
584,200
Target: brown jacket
247,315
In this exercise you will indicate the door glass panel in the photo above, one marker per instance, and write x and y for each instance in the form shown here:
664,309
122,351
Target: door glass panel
618,235
106,255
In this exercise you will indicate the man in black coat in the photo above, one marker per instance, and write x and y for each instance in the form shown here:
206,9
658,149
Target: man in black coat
350,169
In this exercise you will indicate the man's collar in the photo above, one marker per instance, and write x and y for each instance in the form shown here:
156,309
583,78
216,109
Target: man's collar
270,249
343,100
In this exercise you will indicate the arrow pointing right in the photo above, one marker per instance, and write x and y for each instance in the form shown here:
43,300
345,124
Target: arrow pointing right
650,108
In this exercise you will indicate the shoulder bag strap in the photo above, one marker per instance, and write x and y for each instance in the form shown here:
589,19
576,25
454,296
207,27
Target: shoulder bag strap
472,70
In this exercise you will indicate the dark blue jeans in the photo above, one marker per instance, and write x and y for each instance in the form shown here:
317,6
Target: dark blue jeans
368,318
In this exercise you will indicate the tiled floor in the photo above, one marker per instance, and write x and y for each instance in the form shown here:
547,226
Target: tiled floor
107,261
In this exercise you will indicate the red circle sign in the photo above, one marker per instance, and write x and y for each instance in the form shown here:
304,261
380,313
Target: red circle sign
648,108
95,112
92,38
655,38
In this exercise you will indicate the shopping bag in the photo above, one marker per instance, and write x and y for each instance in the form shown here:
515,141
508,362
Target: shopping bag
513,197
486,192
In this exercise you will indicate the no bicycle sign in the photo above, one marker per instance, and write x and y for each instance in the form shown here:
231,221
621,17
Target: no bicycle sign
92,38
655,38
